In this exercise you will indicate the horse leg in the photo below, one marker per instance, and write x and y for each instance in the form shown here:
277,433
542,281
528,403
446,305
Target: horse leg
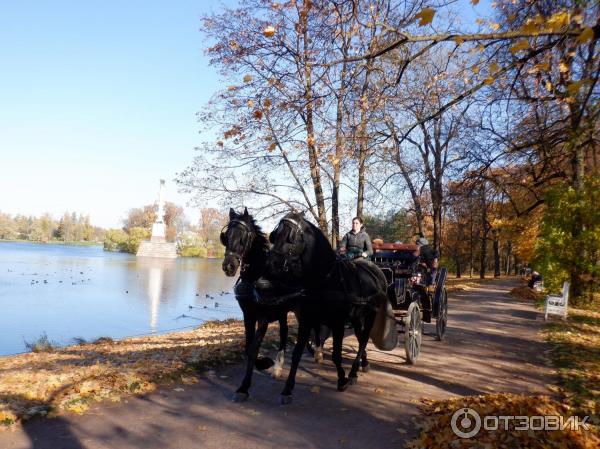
336,356
280,358
364,364
362,330
249,329
241,393
303,335
318,352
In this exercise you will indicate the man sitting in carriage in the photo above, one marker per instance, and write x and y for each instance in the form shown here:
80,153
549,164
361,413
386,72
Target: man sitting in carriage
428,257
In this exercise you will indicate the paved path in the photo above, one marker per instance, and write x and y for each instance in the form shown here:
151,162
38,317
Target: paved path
492,345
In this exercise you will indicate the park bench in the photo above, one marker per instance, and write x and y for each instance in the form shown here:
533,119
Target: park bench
557,305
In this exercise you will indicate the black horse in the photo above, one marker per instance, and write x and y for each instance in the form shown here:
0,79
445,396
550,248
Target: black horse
246,248
335,291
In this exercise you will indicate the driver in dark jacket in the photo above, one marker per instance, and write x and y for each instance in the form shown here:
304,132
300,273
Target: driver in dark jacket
429,257
357,242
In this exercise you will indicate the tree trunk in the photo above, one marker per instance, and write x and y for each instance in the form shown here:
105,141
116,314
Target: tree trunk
471,252
310,133
483,259
496,253
508,257
458,267
337,162
484,233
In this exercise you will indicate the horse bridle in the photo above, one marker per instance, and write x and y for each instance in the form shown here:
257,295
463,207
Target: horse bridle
249,238
295,232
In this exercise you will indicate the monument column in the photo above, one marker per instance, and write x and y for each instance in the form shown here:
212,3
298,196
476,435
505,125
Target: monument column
158,228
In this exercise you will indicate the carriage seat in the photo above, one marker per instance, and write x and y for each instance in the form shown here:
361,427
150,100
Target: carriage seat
405,253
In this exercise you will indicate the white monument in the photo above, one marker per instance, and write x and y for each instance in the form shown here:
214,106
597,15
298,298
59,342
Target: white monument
158,228
158,245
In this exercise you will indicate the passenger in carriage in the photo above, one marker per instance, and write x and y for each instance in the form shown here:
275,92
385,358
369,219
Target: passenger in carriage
356,243
429,257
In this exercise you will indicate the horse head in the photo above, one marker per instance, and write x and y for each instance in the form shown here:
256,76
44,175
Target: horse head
238,237
299,251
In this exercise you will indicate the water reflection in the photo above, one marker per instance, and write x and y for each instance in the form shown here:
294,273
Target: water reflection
153,269
68,292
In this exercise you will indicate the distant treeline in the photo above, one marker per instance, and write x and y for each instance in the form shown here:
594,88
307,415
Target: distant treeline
71,227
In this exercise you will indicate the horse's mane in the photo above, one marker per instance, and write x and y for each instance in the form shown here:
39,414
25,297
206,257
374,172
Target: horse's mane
321,239
260,239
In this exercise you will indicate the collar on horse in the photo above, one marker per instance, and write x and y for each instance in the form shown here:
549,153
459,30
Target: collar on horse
292,254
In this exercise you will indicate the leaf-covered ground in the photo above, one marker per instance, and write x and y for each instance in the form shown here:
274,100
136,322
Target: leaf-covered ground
436,429
454,284
71,378
575,354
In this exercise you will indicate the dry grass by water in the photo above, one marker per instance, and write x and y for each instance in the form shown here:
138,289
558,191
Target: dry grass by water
69,379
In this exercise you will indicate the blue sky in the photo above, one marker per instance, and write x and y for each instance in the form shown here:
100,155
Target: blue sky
98,102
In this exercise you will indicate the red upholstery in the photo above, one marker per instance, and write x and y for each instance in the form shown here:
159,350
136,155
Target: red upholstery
409,247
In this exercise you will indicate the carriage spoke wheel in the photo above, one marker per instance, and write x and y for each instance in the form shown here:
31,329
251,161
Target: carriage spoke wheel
442,316
413,333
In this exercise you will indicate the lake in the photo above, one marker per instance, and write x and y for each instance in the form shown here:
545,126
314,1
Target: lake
84,292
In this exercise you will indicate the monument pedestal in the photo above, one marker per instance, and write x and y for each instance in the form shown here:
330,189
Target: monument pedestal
158,245
163,249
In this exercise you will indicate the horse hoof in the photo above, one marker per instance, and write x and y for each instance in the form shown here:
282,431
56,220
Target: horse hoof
285,399
365,369
277,373
263,363
239,396
319,358
352,381
343,386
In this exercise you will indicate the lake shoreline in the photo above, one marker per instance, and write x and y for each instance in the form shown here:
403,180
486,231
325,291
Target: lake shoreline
71,378
57,242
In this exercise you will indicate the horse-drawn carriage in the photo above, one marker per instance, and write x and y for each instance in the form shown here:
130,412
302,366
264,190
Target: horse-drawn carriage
412,300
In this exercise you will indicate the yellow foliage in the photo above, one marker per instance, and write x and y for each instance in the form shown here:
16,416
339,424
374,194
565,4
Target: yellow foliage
523,44
531,26
425,16
247,78
474,2
563,68
573,88
586,35
559,20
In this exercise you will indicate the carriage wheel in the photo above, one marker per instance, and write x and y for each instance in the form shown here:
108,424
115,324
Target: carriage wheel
413,333
442,316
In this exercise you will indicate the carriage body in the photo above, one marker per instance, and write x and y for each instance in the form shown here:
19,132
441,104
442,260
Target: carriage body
412,301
